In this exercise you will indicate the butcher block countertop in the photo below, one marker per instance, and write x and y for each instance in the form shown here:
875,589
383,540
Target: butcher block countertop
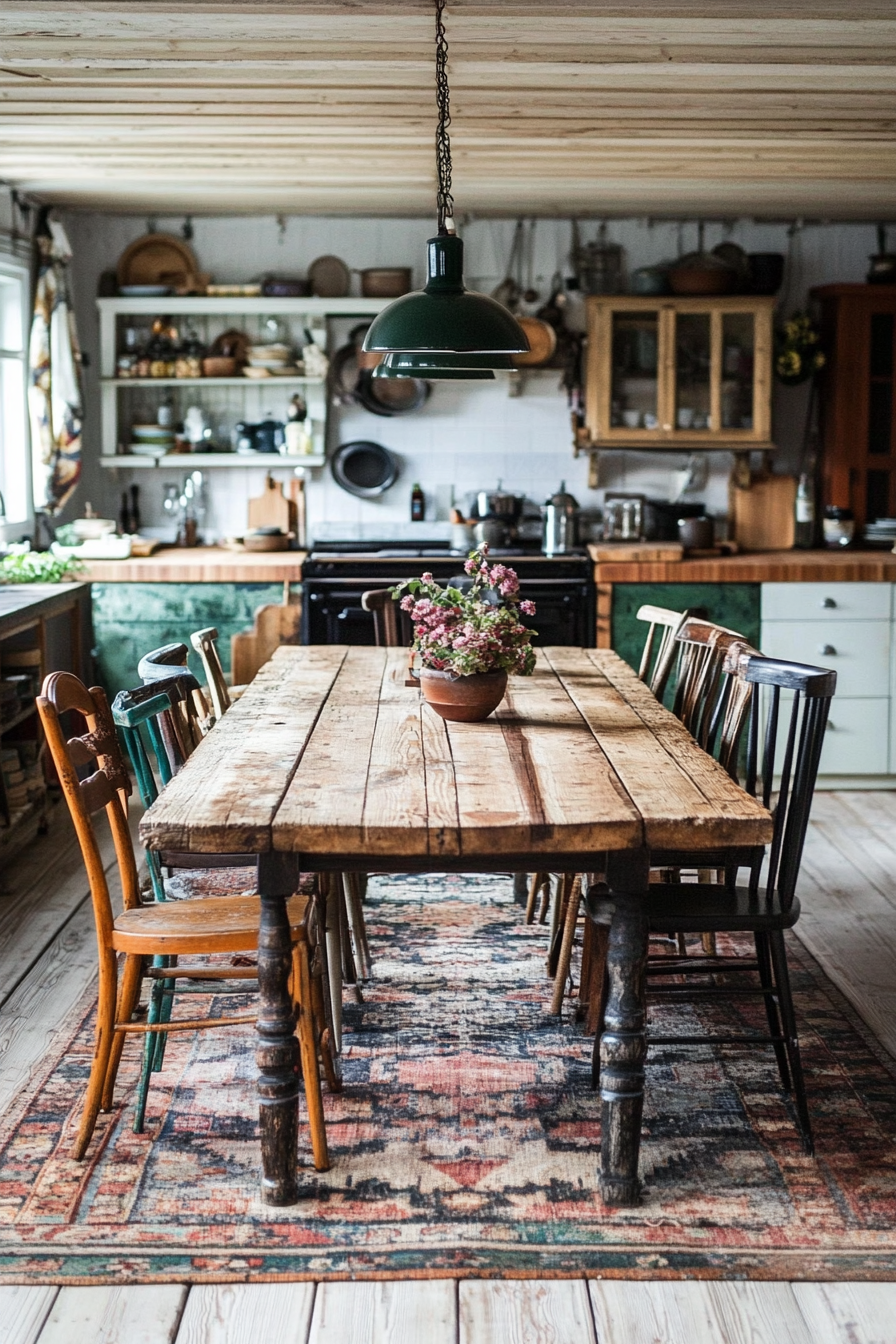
756,567
199,564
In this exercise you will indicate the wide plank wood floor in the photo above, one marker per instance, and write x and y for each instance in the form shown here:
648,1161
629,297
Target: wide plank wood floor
47,959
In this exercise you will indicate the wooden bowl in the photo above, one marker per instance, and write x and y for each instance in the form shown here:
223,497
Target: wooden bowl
219,366
542,340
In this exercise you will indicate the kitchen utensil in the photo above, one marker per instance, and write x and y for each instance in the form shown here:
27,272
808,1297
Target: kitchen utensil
883,263
385,282
144,291
219,366
649,280
233,291
701,273
561,512
267,539
508,292
542,339
661,518
766,271
154,259
232,342
597,264
500,504
838,527
733,255
696,534
271,510
763,513
281,287
329,278
91,529
490,531
390,396
263,436
364,468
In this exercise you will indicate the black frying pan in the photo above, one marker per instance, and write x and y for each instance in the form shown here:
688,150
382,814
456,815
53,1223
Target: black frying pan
364,469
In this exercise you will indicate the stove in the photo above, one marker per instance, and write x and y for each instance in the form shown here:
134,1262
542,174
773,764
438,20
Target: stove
336,573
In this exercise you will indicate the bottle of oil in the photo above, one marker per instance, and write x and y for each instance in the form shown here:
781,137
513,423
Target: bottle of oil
418,504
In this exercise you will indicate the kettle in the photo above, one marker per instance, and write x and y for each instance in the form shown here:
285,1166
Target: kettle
561,515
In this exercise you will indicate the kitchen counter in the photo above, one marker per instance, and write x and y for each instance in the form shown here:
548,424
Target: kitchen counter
199,564
757,567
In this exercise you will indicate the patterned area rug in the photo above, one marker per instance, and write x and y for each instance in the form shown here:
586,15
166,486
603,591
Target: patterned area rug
466,1140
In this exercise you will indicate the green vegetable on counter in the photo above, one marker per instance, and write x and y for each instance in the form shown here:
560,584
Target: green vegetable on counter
36,567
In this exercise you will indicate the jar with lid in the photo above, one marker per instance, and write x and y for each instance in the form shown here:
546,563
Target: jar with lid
188,363
839,527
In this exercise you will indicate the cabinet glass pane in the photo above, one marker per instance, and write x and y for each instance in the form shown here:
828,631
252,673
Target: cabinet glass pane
880,390
692,370
633,396
877,502
738,343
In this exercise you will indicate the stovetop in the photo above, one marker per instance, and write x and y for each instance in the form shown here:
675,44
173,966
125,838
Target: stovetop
432,549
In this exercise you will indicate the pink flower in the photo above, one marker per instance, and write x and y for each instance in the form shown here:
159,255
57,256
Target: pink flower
510,585
471,565
527,608
427,578
407,603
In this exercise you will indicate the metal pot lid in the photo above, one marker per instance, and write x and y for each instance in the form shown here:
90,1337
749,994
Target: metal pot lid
364,468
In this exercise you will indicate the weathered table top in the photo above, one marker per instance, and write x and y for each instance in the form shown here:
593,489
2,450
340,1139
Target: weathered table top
328,753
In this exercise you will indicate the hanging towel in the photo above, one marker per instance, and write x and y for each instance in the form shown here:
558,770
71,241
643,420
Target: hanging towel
54,392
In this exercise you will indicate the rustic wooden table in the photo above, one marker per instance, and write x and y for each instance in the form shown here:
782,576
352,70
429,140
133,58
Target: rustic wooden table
330,762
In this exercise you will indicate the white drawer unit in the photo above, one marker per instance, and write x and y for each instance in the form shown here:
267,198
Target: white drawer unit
826,601
847,627
858,651
857,738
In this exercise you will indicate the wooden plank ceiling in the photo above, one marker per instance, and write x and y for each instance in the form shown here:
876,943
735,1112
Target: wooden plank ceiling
327,106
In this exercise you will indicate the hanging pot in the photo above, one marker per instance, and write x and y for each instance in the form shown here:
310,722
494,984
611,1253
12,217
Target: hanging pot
542,339
364,469
390,396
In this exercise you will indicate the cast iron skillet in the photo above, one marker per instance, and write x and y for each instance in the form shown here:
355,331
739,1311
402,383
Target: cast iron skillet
364,469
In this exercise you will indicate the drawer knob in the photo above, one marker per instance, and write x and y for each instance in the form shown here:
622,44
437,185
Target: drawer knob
827,650
828,602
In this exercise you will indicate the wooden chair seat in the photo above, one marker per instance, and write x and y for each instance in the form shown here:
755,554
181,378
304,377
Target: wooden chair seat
694,907
178,928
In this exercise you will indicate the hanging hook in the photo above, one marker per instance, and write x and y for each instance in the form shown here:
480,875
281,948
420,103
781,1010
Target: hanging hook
186,229
281,229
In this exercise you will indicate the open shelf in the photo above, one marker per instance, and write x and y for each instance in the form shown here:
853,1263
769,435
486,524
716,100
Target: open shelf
276,381
140,462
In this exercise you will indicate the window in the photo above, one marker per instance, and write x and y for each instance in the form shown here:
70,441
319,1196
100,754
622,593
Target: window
15,453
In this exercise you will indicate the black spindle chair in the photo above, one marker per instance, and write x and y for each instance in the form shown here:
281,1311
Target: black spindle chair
784,780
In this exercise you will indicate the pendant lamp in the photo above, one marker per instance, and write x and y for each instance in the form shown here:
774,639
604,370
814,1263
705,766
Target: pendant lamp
444,318
404,364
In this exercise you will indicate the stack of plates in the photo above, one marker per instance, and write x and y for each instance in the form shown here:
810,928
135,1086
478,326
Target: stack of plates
270,361
881,533
151,440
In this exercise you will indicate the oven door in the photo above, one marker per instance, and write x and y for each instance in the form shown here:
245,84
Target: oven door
564,611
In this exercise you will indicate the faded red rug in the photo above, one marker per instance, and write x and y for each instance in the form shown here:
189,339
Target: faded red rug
466,1140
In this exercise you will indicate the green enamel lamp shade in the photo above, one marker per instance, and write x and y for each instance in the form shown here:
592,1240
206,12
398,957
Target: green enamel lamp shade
444,317
471,368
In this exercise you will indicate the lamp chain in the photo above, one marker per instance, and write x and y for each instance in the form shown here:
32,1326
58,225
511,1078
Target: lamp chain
444,199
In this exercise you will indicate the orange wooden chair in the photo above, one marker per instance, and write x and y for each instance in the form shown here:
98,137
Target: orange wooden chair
170,929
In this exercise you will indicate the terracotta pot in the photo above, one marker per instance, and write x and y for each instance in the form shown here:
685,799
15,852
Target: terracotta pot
463,699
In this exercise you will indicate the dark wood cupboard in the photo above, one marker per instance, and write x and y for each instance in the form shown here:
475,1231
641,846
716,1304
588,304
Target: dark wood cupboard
858,399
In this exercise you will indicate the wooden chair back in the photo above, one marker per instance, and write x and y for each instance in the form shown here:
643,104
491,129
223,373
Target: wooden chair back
192,714
700,687
105,789
784,780
386,617
660,650
205,644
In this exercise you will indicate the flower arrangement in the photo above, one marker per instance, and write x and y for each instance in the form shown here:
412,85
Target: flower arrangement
797,353
465,633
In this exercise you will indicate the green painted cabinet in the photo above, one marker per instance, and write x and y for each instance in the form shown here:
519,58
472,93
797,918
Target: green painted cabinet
129,619
735,605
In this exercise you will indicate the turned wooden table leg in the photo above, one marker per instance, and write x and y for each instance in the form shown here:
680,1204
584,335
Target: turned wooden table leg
623,1044
277,1052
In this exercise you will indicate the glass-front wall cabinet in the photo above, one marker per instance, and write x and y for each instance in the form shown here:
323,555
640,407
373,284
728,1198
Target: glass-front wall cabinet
679,373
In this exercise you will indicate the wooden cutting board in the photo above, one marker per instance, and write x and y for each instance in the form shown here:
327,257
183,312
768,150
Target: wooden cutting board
272,508
641,552
763,514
